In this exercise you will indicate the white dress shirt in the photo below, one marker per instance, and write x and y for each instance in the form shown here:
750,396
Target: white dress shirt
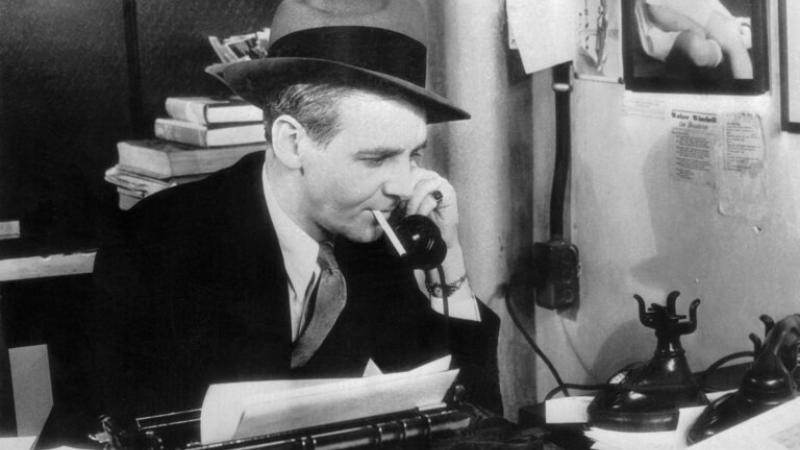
299,251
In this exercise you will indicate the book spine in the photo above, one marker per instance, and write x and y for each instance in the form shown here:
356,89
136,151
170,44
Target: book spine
184,109
179,133
9,229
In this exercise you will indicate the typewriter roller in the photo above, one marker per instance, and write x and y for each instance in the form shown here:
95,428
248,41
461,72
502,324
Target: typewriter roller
409,429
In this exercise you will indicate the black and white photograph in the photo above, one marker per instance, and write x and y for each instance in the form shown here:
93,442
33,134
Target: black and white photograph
695,46
790,65
599,53
399,224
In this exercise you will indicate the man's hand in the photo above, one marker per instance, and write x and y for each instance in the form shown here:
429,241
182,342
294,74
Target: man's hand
435,198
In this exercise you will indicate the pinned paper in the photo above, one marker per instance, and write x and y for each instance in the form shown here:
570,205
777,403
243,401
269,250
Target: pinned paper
598,51
694,139
741,182
543,30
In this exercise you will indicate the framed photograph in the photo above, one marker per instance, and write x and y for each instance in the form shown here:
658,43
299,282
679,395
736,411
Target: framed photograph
790,64
695,46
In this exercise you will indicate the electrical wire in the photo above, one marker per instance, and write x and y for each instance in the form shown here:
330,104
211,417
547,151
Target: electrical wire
716,365
564,387
702,376
512,312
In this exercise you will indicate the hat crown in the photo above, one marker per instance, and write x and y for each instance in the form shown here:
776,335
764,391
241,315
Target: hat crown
361,42
401,16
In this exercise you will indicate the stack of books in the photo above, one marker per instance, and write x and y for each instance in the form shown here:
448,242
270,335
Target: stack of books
200,136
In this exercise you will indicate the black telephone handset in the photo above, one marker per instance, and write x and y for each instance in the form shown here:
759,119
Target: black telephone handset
422,240
770,380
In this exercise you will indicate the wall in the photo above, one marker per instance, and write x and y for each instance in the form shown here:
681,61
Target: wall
488,159
641,231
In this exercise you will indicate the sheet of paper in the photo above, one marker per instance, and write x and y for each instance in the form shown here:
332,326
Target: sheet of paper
371,369
741,182
544,31
694,138
226,404
342,401
640,105
567,409
67,447
744,142
18,443
216,421
437,365
658,440
776,429
598,50
33,395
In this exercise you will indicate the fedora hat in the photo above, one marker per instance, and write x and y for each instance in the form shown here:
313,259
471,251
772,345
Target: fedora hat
360,42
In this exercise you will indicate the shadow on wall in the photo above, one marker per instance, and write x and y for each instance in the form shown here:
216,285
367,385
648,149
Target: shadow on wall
678,217
739,266
623,347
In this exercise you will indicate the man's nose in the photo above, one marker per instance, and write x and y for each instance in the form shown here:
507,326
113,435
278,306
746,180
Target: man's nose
400,184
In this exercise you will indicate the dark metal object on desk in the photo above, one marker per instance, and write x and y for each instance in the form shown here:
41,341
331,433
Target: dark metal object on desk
454,425
648,396
410,429
768,383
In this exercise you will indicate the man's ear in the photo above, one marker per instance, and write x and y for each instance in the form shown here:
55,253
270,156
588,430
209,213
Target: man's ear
287,133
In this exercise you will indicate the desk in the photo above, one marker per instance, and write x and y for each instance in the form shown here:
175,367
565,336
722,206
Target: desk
50,265
22,260
570,436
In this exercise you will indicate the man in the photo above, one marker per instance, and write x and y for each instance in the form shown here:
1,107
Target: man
231,278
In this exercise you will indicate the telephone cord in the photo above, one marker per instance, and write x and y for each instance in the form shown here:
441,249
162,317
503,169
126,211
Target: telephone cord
513,313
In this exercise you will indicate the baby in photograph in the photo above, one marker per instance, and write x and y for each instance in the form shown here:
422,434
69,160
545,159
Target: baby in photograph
704,30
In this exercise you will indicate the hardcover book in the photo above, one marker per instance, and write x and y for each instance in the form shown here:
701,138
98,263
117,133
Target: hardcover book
209,135
208,110
162,159
9,229
143,184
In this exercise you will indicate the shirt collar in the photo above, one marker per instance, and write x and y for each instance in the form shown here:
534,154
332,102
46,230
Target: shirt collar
299,250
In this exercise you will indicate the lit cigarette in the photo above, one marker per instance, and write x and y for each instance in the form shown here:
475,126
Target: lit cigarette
389,232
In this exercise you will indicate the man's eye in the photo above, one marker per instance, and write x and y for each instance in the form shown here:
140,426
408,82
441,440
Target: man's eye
374,161
416,157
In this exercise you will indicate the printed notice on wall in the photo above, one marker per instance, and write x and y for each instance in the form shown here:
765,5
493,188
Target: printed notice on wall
744,143
740,182
694,138
643,105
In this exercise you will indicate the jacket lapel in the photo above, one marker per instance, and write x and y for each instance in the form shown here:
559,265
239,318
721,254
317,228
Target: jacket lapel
264,279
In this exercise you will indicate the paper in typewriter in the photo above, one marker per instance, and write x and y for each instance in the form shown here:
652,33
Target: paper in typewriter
239,410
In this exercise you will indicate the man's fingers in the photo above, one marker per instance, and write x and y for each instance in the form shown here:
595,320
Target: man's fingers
427,206
422,193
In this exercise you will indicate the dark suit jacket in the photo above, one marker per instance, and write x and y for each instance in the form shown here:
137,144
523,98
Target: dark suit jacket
192,291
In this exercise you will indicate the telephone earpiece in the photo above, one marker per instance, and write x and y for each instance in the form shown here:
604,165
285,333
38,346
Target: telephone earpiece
425,248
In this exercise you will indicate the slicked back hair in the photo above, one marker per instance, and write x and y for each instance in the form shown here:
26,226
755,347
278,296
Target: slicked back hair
314,105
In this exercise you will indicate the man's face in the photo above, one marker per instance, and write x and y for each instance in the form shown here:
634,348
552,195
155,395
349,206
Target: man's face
368,165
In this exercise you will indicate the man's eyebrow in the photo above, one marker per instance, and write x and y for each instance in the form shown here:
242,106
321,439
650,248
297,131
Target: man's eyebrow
388,151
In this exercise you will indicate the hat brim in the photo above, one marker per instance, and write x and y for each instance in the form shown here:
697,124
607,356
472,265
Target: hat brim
251,79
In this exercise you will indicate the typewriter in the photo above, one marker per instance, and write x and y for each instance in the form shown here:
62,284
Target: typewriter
450,425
